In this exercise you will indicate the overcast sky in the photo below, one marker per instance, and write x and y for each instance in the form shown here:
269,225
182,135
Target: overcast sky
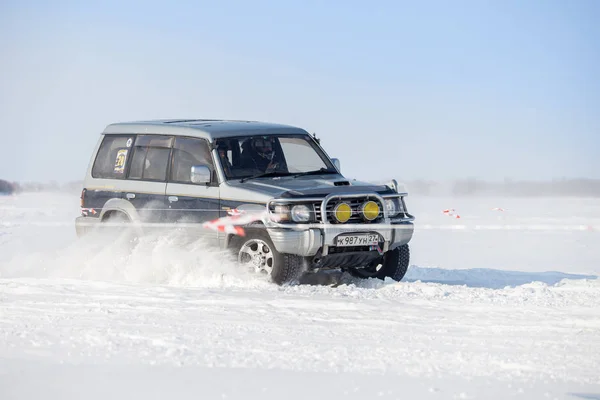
434,90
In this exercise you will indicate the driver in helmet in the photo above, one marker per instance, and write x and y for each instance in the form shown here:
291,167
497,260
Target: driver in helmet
260,155
222,148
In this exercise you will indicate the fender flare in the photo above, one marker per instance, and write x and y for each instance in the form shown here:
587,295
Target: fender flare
120,205
252,207
125,207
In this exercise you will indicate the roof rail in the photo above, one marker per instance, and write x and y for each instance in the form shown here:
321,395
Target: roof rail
176,121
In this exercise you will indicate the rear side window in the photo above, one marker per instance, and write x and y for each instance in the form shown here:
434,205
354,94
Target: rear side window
112,157
150,158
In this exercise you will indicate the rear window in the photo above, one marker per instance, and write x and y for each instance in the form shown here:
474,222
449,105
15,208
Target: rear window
112,157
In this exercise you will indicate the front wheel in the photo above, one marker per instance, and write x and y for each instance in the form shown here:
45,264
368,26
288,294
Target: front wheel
396,262
393,264
257,253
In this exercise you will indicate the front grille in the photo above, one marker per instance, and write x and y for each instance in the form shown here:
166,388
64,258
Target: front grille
355,204
317,207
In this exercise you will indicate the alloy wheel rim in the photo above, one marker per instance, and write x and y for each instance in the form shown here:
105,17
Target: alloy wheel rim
257,256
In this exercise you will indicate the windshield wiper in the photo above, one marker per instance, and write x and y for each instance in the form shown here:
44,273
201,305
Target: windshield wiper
295,175
316,172
265,174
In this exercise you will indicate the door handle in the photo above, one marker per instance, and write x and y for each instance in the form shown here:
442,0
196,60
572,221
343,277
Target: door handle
130,195
173,199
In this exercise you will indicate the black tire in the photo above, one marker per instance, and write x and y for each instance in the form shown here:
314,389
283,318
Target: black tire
285,268
119,227
369,271
394,264
116,217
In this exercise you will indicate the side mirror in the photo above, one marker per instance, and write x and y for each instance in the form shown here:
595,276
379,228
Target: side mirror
200,174
336,162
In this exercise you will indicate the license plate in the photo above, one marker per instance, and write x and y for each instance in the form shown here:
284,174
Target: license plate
361,239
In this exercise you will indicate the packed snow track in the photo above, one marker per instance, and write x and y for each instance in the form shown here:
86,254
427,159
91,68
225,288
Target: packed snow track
490,314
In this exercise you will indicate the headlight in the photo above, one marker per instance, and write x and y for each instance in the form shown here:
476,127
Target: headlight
282,213
300,213
393,206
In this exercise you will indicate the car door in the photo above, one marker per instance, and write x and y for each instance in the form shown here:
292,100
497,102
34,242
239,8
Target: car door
147,177
188,202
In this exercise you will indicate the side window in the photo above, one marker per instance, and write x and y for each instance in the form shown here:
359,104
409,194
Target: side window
150,158
112,157
186,153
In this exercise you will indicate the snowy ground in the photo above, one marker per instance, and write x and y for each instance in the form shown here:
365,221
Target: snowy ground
496,304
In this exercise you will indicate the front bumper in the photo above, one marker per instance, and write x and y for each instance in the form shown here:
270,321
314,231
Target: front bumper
319,238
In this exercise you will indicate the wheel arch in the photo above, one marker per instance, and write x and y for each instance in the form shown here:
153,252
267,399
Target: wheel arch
121,206
251,207
230,238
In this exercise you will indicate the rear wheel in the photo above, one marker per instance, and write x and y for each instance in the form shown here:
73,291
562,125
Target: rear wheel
256,252
117,226
115,217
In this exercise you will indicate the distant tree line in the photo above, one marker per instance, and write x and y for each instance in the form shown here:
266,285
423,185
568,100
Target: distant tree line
7,187
462,187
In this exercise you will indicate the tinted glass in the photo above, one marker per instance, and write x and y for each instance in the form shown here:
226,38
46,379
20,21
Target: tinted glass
188,152
149,163
154,141
112,157
137,163
285,154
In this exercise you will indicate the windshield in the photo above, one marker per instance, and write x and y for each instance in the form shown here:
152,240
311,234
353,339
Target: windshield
247,156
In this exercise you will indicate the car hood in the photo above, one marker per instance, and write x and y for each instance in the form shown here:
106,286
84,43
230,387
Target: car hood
309,186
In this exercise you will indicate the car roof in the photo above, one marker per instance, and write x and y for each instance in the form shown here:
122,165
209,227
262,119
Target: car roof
204,128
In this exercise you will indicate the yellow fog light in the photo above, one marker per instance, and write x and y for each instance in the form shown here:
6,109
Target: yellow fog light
342,212
370,210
